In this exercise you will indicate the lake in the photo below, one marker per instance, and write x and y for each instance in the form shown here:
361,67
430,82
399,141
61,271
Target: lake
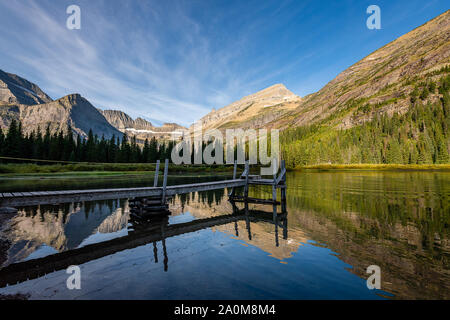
337,225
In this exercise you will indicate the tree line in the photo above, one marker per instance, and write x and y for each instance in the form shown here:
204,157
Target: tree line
61,146
67,146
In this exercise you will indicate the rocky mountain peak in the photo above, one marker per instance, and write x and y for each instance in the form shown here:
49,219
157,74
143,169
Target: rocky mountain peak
139,127
123,121
250,107
17,90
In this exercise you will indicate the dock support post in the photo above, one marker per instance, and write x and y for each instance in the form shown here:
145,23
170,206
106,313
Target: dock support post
283,188
234,178
277,242
155,182
166,170
274,190
247,169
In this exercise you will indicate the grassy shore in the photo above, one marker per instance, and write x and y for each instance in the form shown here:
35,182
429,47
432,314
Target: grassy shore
114,169
386,167
103,169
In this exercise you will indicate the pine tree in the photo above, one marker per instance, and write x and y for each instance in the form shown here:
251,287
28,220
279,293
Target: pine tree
38,149
90,147
112,150
68,146
394,154
2,141
442,154
146,151
153,150
125,150
13,140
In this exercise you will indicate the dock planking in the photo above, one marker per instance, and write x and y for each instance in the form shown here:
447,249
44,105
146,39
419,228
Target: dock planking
50,197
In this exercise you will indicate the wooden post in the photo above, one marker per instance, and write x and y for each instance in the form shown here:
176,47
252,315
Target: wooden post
274,189
274,193
166,170
155,183
283,188
247,169
277,242
274,183
234,178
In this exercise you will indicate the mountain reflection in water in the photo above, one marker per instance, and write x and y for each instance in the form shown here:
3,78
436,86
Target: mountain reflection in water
339,224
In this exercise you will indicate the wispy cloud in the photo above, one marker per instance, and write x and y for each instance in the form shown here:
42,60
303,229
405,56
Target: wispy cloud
175,60
118,62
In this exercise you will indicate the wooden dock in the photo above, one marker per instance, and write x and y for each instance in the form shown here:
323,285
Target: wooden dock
20,199
148,216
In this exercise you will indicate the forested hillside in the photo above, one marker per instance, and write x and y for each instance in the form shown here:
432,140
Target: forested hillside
421,135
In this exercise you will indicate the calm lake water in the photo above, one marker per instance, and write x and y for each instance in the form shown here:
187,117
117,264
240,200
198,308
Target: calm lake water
337,225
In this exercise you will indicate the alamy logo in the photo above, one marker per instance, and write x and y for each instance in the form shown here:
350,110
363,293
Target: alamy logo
374,281
74,20
237,142
374,20
74,280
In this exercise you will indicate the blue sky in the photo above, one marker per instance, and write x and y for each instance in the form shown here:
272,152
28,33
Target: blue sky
173,61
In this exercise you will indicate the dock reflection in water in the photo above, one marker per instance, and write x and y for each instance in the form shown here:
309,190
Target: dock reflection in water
208,249
46,239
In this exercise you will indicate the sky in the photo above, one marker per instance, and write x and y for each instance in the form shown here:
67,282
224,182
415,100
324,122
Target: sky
174,61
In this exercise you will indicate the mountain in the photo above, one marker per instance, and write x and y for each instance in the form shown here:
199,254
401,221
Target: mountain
14,89
256,109
382,81
72,110
139,127
24,101
121,121
393,106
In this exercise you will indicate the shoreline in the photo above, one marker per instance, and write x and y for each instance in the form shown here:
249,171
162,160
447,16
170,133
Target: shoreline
103,170
103,174
375,167
24,171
